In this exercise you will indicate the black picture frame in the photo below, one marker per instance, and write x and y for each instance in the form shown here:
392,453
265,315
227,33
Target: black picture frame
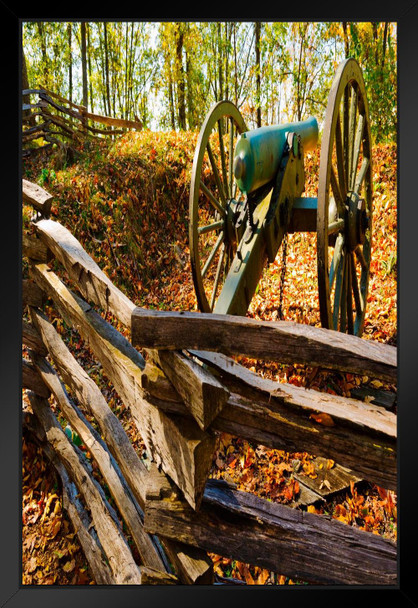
12,593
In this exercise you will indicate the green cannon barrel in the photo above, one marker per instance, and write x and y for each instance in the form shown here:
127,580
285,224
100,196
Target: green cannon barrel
258,152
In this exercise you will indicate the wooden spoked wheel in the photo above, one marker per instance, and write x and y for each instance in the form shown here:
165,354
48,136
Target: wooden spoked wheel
214,202
344,216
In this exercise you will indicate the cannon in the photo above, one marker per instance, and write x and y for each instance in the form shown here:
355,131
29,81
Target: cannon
246,195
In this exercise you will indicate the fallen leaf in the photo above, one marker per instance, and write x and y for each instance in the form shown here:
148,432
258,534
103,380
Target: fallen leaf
263,576
32,564
323,418
69,566
368,399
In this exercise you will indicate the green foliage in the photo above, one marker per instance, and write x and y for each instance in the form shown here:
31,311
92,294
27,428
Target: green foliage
47,176
374,47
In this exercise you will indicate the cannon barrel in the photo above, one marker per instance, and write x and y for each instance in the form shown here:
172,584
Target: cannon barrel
258,152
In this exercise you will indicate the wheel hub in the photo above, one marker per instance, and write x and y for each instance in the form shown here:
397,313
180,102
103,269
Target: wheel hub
357,221
234,220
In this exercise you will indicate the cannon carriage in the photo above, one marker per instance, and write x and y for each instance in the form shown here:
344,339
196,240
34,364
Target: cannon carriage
246,195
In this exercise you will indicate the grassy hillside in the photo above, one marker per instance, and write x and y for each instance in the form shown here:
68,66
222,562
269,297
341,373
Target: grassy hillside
127,202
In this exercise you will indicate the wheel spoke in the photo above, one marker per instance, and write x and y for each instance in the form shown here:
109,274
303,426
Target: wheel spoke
351,132
336,191
336,260
210,227
212,254
345,126
214,202
336,226
218,274
357,146
223,163
340,161
361,175
350,323
343,301
337,294
216,174
356,292
360,257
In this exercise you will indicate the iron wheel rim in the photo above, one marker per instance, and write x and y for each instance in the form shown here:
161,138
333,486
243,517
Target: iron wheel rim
215,199
345,167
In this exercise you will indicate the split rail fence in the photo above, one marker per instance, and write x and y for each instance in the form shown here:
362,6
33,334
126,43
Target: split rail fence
55,118
185,390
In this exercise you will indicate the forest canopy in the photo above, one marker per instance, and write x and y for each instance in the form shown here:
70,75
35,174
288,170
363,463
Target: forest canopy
168,74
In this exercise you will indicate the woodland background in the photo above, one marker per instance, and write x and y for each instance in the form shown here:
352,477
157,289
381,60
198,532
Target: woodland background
168,74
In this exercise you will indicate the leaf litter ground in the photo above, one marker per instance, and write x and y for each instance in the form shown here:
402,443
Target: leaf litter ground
127,203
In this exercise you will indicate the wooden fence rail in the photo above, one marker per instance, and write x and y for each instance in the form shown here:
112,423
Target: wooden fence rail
180,395
53,117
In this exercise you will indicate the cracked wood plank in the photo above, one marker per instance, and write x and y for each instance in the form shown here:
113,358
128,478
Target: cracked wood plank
175,442
193,565
84,271
122,564
204,396
284,341
107,464
239,525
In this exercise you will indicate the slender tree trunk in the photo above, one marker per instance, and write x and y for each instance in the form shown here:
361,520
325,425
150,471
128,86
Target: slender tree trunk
180,80
171,98
25,85
385,37
298,87
42,40
375,40
228,30
189,92
346,41
220,63
258,71
235,64
131,75
125,95
70,61
107,68
381,73
90,81
84,63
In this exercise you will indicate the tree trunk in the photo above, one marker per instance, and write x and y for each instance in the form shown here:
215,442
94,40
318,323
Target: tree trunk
180,79
41,32
90,82
25,85
220,66
70,62
257,71
84,63
385,37
346,41
106,70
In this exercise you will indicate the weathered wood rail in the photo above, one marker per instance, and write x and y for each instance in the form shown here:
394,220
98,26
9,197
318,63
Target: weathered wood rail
184,390
53,117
